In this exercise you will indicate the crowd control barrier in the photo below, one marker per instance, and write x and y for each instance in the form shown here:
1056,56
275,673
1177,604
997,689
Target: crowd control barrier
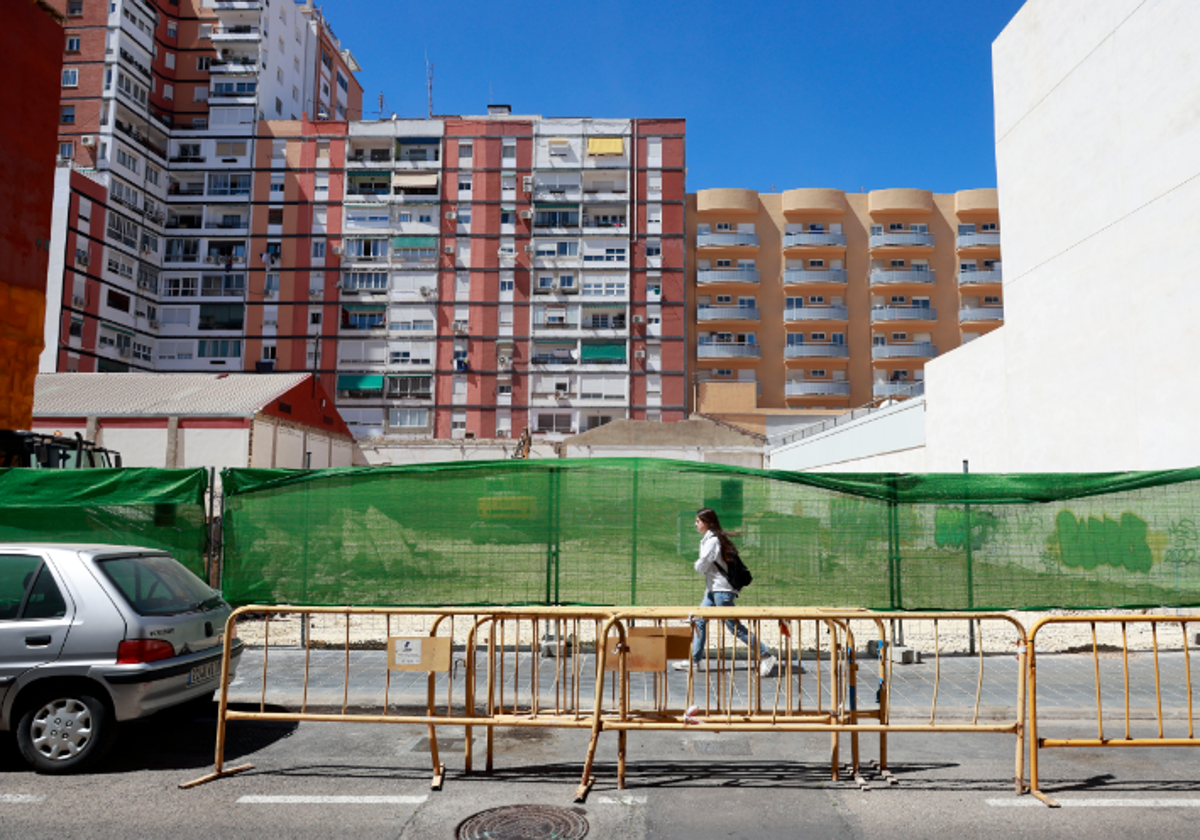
613,669
1172,677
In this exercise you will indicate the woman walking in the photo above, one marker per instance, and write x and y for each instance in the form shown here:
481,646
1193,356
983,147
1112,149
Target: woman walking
714,545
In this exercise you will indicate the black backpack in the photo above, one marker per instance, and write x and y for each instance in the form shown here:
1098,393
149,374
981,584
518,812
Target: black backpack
735,570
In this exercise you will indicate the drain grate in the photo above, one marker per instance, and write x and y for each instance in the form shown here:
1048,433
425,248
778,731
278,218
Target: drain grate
524,822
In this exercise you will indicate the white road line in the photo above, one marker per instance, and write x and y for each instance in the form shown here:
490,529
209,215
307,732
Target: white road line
332,800
20,798
622,800
1029,802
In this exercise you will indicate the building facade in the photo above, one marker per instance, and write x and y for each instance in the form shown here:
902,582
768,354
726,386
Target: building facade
470,277
832,300
159,106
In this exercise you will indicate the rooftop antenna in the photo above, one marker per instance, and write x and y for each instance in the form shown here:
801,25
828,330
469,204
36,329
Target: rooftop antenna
489,93
429,83
380,104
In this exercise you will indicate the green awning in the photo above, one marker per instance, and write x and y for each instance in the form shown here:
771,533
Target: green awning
359,382
509,208
414,241
602,353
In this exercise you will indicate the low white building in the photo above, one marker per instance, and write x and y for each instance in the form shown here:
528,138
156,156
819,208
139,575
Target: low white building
1097,131
198,419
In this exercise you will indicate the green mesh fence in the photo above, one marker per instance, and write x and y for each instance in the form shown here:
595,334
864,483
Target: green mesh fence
620,531
134,506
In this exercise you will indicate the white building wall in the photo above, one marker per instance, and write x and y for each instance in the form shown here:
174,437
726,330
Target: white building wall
218,448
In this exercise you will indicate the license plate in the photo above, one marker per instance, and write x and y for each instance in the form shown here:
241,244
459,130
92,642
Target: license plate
204,673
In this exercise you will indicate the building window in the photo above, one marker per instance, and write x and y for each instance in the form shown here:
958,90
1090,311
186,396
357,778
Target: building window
117,301
220,348
464,183
66,115
168,91
508,151
506,285
74,8
72,43
173,31
465,151
70,77
318,251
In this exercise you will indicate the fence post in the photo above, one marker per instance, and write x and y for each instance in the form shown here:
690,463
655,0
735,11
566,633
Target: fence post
634,540
968,539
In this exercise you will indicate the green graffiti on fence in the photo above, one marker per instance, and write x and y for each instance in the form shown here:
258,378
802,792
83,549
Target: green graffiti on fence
1091,541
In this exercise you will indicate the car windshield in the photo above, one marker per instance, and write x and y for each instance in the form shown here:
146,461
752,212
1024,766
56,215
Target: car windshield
158,585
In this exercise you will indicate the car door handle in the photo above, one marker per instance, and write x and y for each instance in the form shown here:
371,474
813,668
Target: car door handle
37,641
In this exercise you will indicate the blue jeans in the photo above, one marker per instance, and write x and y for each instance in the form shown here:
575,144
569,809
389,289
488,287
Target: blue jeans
700,627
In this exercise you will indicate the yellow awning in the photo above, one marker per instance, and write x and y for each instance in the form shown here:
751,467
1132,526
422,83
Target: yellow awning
415,179
558,141
606,146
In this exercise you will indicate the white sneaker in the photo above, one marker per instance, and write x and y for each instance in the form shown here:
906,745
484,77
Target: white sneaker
768,666
681,665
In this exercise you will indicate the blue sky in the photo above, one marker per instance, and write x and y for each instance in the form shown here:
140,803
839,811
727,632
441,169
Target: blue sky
850,94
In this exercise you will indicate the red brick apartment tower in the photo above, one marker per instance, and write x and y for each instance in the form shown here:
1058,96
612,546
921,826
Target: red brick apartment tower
469,277
157,146
32,39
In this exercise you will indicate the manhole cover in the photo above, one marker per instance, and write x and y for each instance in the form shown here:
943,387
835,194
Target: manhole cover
525,822
722,747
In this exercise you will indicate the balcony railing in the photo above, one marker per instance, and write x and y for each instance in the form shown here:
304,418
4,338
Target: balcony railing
903,313
898,389
542,359
901,237
236,33
981,313
727,275
817,389
136,135
989,239
794,276
727,313
814,238
916,350
816,351
970,278
556,325
886,276
727,350
726,240
817,313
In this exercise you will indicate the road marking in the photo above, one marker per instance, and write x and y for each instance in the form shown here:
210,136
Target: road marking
20,798
332,800
1028,802
622,800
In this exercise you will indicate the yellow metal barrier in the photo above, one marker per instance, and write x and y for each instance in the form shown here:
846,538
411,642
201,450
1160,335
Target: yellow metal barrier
1153,622
489,668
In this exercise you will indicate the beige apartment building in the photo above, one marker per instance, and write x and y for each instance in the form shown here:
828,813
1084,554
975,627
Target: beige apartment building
827,300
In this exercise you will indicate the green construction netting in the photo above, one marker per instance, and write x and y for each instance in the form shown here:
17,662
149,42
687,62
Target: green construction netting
620,531
154,508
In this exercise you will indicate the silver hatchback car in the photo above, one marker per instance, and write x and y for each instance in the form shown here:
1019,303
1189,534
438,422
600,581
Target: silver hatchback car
95,634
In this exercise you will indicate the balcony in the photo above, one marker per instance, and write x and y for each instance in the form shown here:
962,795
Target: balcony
801,276
235,34
981,278
814,239
970,314
727,313
543,325
727,275
817,313
237,5
727,350
902,238
817,389
369,196
135,134
902,276
987,239
727,240
916,350
232,67
901,390
816,351
903,313
368,157
184,190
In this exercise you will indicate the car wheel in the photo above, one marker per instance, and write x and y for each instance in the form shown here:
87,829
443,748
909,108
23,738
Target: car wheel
65,731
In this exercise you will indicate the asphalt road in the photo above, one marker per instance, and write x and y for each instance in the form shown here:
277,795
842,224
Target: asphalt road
368,781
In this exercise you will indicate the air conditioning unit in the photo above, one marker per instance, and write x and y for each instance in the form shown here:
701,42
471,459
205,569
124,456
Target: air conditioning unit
502,433
526,214
638,319
82,259
450,214
639,354
212,260
554,286
87,140
153,323
504,361
316,293
338,250
449,249
426,291
78,300
529,249
460,327
527,183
